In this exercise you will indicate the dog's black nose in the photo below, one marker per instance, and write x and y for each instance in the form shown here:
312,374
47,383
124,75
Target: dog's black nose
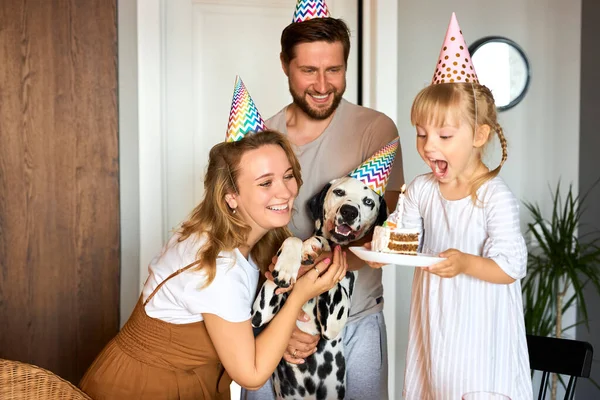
349,213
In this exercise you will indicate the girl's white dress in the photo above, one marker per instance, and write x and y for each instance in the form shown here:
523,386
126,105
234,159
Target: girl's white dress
466,334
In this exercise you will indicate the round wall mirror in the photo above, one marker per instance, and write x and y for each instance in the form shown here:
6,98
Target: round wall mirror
502,66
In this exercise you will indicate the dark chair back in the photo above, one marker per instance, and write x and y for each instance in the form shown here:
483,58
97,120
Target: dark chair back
560,356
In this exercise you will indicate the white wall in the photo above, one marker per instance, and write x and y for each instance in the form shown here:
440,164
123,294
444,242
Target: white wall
128,159
542,131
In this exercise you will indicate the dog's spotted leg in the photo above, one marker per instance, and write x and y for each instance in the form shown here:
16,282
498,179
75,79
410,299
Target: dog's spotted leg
288,262
267,304
333,307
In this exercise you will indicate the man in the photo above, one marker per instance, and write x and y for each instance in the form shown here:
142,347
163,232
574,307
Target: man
332,137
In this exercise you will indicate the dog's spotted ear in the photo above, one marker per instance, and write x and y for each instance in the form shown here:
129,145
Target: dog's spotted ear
383,213
315,204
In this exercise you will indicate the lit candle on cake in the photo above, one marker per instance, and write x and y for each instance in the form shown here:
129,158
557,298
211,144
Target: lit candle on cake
395,218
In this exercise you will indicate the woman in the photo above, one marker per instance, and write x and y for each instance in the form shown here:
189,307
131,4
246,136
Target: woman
190,333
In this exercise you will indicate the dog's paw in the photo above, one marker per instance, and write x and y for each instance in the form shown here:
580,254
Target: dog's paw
312,248
288,262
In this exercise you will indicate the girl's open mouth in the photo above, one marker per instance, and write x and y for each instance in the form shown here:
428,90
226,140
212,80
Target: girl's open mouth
439,167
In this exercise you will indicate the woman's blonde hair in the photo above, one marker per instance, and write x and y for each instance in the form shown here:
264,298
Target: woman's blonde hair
212,218
469,101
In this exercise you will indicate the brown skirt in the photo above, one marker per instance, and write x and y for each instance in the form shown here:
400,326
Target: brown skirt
153,359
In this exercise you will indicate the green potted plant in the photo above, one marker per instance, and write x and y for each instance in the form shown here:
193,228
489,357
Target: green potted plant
560,265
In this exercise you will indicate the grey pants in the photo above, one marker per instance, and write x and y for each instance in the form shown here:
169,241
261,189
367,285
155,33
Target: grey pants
365,348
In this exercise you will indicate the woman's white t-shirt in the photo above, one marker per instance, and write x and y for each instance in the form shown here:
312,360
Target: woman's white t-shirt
183,298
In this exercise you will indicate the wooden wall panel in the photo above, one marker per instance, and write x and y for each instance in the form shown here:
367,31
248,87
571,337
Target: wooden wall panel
59,205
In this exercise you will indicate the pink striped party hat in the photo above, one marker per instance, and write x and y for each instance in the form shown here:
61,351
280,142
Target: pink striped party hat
309,9
454,64
375,172
244,118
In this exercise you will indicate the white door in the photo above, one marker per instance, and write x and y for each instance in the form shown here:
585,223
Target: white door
207,44
189,52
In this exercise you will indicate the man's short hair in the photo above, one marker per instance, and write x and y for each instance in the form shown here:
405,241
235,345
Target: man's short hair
328,30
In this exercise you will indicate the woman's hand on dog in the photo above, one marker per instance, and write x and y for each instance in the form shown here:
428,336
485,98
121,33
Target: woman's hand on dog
301,346
303,269
323,276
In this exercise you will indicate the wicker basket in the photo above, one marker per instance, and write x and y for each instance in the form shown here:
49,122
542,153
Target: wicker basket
25,381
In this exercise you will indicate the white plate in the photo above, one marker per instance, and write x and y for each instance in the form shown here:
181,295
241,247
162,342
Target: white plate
419,260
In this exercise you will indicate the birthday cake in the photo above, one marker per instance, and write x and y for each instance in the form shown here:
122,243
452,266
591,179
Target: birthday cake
392,237
387,239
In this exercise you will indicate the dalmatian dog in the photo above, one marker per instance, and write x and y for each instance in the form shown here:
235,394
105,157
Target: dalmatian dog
345,210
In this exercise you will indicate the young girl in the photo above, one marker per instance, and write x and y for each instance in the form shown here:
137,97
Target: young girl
466,330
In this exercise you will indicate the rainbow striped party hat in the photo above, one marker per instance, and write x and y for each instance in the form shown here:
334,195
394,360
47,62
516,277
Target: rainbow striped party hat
309,9
375,172
454,63
244,118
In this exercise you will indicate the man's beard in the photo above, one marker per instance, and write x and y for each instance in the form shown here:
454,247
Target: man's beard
302,103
